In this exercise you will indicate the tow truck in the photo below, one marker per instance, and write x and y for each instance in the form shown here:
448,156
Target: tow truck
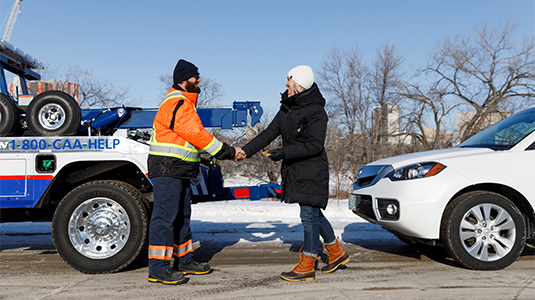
85,169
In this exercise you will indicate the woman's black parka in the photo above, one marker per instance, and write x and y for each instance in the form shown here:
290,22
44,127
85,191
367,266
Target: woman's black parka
302,122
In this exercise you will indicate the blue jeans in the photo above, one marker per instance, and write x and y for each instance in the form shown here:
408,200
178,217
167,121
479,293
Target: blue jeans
314,225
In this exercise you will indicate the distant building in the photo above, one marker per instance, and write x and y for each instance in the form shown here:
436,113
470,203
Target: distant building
37,87
388,127
462,119
445,139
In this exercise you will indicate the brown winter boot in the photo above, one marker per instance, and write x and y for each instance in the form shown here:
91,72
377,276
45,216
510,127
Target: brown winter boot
303,271
337,257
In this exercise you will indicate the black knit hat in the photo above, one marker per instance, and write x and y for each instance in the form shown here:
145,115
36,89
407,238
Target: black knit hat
184,70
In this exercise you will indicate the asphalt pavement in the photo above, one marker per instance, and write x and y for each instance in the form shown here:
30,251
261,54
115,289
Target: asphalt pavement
30,268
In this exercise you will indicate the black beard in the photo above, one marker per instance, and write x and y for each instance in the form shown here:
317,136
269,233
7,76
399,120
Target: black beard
192,87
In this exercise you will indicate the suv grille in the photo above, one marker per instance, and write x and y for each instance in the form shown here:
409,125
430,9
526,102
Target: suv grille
364,206
364,181
369,175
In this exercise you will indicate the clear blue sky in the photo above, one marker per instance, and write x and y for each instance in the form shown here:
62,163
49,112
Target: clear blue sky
246,46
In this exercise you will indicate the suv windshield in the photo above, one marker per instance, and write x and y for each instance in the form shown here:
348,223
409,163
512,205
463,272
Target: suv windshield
504,134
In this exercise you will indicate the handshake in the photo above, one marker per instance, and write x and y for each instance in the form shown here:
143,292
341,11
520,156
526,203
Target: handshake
274,155
240,154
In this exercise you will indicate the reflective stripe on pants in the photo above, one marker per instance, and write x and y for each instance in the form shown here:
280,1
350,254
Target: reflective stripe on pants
182,250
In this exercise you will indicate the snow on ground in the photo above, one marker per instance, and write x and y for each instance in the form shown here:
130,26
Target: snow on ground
237,221
243,221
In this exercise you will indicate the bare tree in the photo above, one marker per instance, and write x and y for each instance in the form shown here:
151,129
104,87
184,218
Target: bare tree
428,107
490,73
336,145
363,109
342,78
385,86
94,90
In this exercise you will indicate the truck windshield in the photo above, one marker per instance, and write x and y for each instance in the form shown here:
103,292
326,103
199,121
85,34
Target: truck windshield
504,134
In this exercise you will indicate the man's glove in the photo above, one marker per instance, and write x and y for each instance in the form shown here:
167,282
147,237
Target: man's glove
274,155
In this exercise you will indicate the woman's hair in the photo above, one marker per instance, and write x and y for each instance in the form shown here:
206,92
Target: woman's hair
298,88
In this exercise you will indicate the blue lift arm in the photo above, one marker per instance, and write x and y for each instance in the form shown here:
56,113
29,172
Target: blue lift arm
142,118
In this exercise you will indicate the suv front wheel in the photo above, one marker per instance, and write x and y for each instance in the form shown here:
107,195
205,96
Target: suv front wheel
483,230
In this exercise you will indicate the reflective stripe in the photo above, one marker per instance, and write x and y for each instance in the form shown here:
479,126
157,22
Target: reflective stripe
176,93
153,135
172,150
181,250
160,252
214,146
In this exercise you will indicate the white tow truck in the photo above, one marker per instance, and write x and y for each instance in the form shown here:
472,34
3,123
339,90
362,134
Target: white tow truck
86,169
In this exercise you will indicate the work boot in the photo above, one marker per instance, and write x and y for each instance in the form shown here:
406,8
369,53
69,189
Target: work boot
337,257
303,271
195,268
169,276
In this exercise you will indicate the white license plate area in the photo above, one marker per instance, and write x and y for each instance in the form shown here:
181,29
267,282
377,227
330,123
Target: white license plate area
353,201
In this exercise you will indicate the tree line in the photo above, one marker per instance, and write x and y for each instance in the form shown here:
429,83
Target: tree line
377,109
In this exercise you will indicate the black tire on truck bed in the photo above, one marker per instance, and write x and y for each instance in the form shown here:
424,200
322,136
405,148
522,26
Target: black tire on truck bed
53,113
9,116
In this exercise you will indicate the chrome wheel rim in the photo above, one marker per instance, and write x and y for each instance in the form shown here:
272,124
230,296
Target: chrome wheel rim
51,116
487,232
99,228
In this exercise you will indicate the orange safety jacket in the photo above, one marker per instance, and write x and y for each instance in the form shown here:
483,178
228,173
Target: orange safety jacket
178,137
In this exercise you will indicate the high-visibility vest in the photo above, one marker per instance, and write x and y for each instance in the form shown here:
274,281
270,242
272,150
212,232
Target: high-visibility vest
178,131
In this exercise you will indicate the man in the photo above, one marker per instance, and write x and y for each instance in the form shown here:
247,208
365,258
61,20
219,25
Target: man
302,123
177,140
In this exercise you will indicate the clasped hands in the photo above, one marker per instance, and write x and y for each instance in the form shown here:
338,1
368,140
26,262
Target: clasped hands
240,154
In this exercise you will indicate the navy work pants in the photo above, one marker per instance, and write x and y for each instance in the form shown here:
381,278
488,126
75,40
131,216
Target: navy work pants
169,232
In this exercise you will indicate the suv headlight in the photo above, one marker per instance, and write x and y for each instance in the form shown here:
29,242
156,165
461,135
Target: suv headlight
420,170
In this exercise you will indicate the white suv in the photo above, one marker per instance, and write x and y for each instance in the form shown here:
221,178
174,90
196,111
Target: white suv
476,199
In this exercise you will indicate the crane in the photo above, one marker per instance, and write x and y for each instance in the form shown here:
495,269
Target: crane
12,18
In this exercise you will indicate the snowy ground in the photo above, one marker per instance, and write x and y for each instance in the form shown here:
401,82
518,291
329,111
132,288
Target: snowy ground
260,218
242,221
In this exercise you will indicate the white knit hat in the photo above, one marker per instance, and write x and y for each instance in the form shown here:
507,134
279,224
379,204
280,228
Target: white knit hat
303,75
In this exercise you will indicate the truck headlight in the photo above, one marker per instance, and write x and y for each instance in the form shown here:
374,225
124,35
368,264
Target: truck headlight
420,170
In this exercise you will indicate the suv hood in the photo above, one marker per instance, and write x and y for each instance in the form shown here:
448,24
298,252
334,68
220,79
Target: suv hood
427,156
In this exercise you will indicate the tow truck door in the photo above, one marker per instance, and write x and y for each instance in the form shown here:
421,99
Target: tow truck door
15,185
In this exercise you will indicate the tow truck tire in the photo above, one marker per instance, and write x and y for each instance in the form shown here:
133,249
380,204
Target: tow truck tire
53,113
101,226
483,230
9,115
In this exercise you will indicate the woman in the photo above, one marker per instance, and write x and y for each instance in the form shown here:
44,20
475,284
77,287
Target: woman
302,122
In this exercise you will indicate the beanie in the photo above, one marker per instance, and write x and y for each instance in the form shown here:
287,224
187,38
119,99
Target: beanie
184,70
303,75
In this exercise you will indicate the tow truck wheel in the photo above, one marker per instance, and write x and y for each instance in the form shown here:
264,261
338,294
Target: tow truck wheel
101,226
53,113
483,231
9,115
